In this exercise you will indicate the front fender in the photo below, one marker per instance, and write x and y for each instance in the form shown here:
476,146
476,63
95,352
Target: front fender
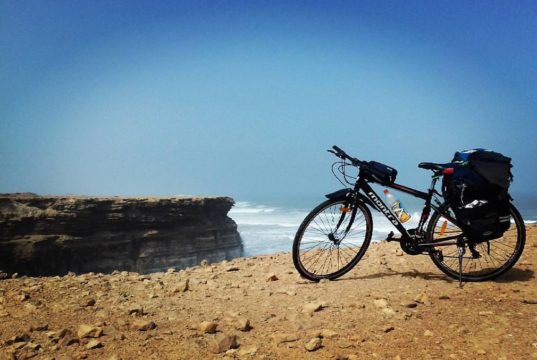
346,192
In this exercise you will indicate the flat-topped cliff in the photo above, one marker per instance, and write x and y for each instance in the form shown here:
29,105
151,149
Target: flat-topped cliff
45,235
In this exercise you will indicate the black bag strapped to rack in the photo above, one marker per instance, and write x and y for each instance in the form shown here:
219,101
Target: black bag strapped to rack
478,193
380,173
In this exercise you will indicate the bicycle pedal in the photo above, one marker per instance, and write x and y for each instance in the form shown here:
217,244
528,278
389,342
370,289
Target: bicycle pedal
390,237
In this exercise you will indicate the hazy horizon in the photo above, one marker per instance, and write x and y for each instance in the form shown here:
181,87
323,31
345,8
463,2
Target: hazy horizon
242,98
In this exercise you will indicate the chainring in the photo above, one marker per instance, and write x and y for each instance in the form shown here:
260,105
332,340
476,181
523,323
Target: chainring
410,245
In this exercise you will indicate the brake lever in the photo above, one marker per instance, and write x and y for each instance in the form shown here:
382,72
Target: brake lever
332,151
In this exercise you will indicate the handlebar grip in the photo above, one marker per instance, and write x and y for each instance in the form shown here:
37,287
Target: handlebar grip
338,149
342,154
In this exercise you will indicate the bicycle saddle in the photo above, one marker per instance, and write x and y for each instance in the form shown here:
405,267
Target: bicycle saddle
434,166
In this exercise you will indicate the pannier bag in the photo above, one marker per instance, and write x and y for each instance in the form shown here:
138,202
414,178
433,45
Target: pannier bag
478,193
380,173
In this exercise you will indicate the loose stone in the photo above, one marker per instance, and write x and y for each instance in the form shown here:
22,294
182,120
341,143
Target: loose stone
88,331
314,344
242,324
208,327
222,343
93,344
143,325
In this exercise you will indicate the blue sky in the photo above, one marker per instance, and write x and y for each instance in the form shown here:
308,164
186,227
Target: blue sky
242,98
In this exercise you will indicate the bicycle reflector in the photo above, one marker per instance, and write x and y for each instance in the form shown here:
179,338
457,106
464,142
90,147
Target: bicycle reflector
344,209
448,171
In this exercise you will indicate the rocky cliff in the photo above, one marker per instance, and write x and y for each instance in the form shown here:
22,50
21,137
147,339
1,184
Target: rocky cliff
44,235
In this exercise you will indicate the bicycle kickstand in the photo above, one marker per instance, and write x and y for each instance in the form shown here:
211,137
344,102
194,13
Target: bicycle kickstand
461,251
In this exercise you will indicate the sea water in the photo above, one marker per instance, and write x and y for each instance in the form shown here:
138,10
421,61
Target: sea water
268,227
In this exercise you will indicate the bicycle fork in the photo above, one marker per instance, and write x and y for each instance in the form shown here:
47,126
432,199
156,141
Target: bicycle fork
344,211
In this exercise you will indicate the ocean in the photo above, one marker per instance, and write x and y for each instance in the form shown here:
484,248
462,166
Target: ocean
268,227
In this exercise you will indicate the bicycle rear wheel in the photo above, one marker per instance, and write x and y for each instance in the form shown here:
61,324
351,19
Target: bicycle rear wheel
332,239
495,256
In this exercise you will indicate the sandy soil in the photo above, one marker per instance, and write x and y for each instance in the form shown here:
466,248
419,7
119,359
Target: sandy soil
389,307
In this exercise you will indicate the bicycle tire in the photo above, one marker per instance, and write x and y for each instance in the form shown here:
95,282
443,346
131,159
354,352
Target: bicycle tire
316,229
504,252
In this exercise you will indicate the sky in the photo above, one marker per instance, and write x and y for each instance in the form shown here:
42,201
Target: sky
242,98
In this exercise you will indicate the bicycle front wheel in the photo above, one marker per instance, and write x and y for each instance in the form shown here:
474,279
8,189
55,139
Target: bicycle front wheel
332,239
495,257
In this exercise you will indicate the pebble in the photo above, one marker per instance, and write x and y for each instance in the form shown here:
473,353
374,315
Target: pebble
284,338
90,302
232,268
486,313
422,298
345,344
428,333
32,346
182,286
381,303
88,331
143,325
310,308
68,340
39,327
242,324
409,304
93,344
530,301
222,343
79,356
136,309
208,327
314,344
272,277
388,312
58,334
388,328
247,351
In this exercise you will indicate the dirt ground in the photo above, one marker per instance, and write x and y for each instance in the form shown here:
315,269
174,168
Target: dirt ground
388,307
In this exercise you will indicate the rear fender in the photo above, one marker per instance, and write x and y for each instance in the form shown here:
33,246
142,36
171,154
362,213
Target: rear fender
343,193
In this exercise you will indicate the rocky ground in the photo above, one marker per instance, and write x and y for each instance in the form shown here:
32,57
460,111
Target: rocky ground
391,306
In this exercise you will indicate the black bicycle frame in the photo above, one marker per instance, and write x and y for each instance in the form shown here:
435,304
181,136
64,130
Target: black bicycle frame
362,184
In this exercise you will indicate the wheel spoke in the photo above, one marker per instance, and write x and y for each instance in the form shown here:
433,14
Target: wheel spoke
504,252
324,249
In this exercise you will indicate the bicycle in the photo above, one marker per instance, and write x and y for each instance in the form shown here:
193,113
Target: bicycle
335,235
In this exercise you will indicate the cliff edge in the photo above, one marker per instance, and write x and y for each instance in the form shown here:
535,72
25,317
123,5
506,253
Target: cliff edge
49,235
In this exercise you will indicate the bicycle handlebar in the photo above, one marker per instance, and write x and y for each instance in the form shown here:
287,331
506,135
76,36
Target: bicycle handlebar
343,155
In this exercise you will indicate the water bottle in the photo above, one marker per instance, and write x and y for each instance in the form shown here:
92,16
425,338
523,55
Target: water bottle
396,207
